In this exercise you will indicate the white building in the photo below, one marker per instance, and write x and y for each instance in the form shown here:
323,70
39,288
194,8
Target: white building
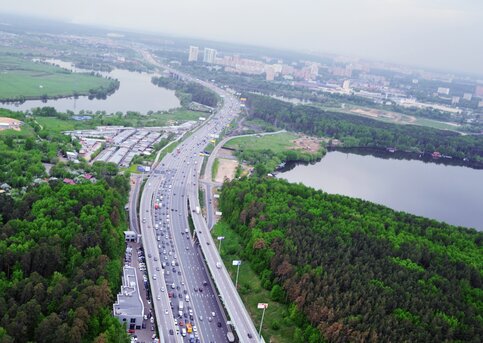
443,90
129,307
130,236
193,55
346,85
209,55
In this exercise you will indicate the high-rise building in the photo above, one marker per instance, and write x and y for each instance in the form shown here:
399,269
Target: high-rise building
193,56
479,91
209,55
269,73
346,85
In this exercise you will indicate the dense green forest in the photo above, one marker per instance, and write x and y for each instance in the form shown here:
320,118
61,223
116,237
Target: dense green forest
188,91
61,250
359,271
61,246
356,131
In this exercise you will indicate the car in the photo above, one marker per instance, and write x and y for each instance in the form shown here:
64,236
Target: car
152,320
171,332
201,318
213,314
250,335
201,289
159,297
196,289
166,312
210,319
145,317
179,273
219,324
149,255
162,289
154,277
152,327
158,269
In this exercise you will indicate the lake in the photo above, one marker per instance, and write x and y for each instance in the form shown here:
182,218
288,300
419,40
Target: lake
135,93
451,194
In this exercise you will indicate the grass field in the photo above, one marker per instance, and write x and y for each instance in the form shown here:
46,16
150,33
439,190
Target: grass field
214,169
277,143
25,131
22,78
252,292
160,119
55,124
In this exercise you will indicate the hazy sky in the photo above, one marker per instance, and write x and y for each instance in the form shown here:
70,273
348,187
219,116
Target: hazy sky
445,34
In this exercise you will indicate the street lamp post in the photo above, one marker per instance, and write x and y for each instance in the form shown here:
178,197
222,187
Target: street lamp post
220,238
264,307
237,263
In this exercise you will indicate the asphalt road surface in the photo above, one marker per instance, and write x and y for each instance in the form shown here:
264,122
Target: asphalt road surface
167,238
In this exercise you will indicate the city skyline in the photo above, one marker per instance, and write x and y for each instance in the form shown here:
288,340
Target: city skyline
430,33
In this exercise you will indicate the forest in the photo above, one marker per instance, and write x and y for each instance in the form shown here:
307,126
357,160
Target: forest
188,91
356,270
61,249
356,131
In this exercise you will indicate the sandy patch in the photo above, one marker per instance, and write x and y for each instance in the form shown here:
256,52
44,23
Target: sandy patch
9,124
226,169
309,144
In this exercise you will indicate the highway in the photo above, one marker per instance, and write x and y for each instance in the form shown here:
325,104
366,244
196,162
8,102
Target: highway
171,183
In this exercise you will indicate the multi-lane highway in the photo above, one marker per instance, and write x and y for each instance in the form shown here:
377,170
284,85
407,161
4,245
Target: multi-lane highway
184,276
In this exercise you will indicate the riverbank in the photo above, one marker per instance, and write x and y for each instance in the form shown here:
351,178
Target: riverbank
23,80
270,152
407,155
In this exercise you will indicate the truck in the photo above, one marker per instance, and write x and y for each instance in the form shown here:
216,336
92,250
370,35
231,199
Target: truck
189,328
181,305
197,209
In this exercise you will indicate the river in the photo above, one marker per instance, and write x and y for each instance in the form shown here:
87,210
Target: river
135,93
451,194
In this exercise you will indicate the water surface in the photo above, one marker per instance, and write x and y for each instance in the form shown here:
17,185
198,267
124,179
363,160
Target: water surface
135,93
451,194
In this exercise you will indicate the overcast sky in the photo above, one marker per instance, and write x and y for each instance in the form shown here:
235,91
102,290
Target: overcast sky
445,34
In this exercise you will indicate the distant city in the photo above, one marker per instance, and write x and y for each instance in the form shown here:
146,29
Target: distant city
383,83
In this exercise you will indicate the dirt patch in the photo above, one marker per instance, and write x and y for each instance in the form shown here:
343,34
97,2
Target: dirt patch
308,144
226,169
9,124
225,153
374,113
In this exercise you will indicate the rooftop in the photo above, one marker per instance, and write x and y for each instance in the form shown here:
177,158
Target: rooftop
129,301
